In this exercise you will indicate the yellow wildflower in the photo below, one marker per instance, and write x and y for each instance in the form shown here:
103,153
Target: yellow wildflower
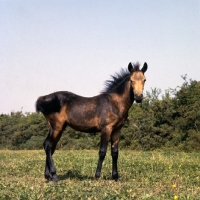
174,185
175,197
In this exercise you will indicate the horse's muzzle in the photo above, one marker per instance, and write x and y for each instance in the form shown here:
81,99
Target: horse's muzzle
138,98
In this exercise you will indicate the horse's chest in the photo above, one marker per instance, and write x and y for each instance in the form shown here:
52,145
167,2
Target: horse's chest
122,122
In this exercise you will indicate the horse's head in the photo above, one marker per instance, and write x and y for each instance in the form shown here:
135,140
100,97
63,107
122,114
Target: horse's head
137,79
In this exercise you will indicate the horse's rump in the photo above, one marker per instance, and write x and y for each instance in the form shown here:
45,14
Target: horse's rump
48,104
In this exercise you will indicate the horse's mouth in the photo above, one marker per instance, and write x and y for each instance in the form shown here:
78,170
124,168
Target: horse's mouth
138,97
138,101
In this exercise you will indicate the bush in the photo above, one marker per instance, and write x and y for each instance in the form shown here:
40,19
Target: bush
170,122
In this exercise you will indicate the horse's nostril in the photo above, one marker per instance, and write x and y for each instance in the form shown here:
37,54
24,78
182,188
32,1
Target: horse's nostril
138,96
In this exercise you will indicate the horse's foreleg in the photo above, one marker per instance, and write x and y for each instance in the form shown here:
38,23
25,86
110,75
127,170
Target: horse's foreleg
102,152
114,153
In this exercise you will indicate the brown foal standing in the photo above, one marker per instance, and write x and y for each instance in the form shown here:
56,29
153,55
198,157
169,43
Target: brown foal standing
105,113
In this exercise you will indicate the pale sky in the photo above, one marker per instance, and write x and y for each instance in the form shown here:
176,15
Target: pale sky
75,45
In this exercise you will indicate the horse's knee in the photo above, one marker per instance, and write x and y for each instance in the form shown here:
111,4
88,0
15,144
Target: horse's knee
102,154
114,154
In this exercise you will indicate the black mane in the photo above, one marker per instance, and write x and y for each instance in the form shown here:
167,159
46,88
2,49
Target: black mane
118,78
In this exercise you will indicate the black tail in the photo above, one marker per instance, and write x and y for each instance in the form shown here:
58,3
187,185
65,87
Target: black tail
48,104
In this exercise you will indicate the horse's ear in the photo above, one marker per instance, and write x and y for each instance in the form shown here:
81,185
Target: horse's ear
130,67
144,68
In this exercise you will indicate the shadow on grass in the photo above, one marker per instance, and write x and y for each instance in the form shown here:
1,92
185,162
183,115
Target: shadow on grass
75,174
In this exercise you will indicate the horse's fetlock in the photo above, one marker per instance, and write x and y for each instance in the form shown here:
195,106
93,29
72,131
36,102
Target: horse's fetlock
52,170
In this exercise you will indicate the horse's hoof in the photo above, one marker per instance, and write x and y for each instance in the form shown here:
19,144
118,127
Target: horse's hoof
55,179
115,177
96,178
51,178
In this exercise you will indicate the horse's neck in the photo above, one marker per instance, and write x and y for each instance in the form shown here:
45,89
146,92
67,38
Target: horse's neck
125,100
128,96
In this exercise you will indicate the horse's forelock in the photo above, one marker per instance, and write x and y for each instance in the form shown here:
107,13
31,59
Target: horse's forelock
136,67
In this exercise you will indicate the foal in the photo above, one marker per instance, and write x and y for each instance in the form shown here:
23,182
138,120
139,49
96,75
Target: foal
105,113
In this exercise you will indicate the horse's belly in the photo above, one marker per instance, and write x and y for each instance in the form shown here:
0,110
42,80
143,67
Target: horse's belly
85,125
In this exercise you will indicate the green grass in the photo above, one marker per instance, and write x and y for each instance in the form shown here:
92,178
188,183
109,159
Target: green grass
143,175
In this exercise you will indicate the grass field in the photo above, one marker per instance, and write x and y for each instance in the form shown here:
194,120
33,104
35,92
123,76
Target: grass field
143,175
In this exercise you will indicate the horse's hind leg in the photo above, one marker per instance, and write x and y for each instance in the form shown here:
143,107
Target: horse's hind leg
114,153
46,148
49,147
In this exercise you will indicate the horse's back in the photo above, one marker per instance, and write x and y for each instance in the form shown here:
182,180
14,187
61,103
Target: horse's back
90,114
82,113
